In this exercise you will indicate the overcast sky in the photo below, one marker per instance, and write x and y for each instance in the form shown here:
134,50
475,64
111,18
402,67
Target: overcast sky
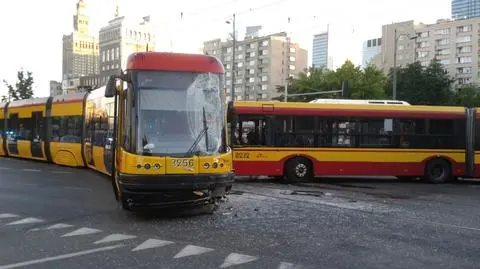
32,38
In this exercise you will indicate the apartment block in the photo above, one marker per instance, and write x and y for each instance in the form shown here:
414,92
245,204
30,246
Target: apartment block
455,43
55,88
261,64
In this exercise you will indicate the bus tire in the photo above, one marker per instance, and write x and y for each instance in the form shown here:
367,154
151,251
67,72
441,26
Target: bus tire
438,171
298,169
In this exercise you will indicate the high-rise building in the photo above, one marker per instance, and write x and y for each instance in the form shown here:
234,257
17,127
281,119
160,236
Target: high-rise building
371,48
320,50
120,38
261,64
465,9
80,50
454,43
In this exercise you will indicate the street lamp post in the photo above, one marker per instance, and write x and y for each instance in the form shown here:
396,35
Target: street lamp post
234,44
395,44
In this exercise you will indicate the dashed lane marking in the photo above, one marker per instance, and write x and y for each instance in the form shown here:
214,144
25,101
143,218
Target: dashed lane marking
152,243
60,257
192,250
31,170
4,168
82,231
54,227
287,265
235,259
25,221
114,237
8,215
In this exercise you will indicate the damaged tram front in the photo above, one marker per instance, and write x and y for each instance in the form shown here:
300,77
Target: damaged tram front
171,144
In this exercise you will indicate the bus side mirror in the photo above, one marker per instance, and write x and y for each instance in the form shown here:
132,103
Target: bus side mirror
110,89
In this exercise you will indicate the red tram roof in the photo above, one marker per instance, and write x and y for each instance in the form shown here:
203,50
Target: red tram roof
166,61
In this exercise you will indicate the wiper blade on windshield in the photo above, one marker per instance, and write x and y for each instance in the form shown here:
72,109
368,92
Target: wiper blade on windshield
199,136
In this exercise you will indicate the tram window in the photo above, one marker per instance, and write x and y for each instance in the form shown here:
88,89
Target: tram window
66,129
36,126
2,122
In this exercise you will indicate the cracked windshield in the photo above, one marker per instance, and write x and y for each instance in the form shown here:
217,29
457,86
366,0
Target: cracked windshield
270,134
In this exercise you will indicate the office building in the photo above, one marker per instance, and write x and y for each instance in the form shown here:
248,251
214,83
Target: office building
454,43
320,50
465,9
371,48
261,64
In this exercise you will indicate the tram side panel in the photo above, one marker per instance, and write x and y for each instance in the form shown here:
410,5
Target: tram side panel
65,129
26,129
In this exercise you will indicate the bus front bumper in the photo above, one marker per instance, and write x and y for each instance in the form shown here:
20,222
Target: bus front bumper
161,191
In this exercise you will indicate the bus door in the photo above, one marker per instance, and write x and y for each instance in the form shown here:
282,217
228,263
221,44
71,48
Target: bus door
36,137
12,133
471,116
108,152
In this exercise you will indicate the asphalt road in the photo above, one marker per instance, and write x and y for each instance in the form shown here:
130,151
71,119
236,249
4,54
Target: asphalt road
56,217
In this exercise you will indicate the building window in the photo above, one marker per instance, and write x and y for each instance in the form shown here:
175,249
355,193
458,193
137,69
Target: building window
292,59
265,43
467,59
117,53
292,50
251,80
251,71
264,87
252,62
467,38
464,29
292,67
264,78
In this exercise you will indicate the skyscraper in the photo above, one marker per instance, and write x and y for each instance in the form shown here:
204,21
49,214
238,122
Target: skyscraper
320,50
465,9
371,48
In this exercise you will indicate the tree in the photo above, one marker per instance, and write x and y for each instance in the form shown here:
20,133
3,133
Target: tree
420,85
467,96
369,83
23,86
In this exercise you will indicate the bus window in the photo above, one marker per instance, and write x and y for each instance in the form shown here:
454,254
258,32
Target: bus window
252,131
294,131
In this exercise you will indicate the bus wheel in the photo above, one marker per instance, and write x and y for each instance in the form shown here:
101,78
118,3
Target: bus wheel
438,171
298,169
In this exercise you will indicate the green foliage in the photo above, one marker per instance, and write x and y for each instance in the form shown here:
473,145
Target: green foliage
23,87
368,83
468,96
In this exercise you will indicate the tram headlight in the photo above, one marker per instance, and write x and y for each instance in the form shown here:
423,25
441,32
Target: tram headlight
215,165
147,166
206,165
156,166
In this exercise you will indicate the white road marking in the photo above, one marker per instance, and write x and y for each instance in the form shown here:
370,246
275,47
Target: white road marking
82,231
8,215
152,243
287,265
115,237
77,188
60,257
31,170
235,258
25,221
191,250
54,226
4,168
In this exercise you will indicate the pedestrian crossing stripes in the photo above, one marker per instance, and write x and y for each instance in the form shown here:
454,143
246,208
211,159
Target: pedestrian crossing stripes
104,240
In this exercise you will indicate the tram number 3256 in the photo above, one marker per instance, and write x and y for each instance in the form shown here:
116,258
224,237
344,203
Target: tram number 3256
182,163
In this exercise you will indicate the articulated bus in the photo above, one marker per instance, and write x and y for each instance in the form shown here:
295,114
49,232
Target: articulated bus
159,134
298,141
